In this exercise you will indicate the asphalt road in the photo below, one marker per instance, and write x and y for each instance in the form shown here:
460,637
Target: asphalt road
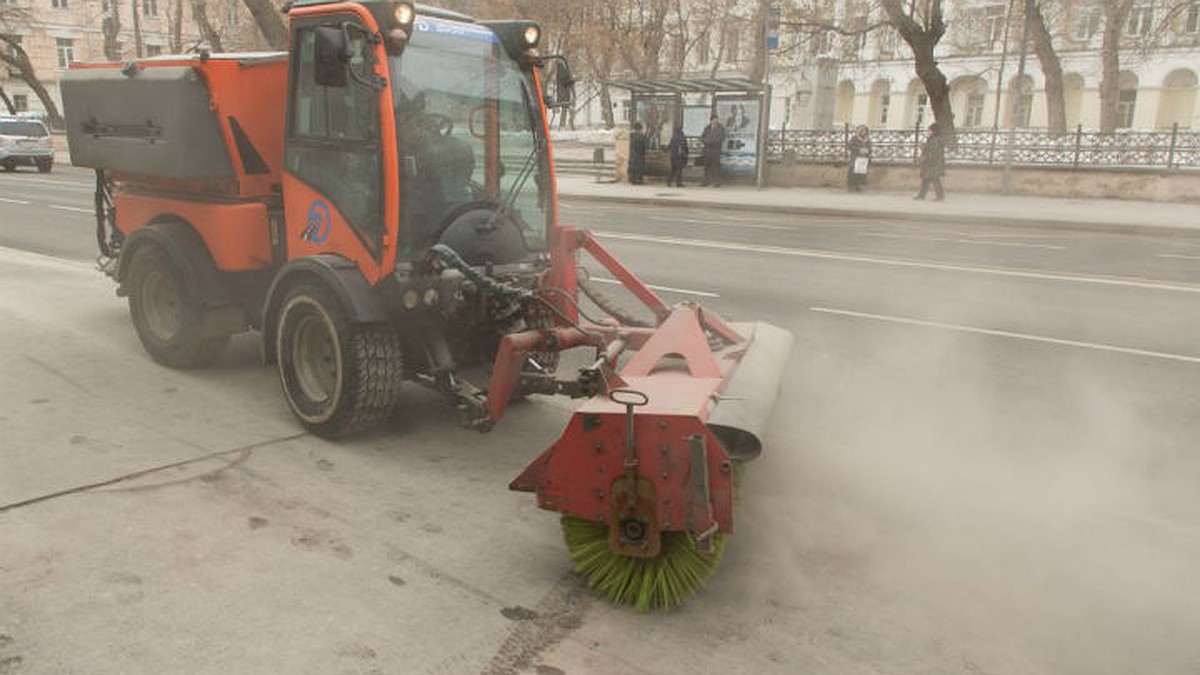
982,461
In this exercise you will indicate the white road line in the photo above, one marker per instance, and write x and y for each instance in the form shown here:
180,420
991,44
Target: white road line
953,240
1179,256
723,223
669,289
60,183
71,208
1005,334
14,201
1147,284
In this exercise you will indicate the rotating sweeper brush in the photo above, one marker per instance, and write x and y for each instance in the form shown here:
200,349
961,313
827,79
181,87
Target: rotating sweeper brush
644,474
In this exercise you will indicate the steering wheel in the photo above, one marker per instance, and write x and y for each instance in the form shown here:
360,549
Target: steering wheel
442,123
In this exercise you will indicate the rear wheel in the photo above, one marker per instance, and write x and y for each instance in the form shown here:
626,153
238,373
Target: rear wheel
9,166
168,316
338,376
44,165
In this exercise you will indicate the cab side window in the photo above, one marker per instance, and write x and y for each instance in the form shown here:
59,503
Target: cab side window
333,140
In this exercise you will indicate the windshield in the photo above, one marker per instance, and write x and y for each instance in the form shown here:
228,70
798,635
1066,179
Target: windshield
22,128
468,133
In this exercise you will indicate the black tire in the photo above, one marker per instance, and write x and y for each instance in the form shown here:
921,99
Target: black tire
44,166
339,377
10,167
168,316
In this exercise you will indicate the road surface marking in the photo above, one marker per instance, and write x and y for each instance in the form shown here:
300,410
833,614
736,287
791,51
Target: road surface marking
914,264
669,289
1179,255
71,208
920,237
724,223
63,183
1005,334
14,201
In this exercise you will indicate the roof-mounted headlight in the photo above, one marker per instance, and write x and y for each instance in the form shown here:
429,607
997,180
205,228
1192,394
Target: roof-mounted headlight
404,14
532,35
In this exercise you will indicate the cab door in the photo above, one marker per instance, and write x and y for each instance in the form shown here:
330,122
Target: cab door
335,150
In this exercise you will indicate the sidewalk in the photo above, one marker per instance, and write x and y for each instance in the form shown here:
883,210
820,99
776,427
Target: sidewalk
1110,215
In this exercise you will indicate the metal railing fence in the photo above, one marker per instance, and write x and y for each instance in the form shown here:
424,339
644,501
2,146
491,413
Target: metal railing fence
1168,149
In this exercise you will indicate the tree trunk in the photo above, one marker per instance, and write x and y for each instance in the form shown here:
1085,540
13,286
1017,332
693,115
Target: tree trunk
207,32
1115,14
606,106
16,58
177,29
12,110
137,28
1043,46
937,88
269,21
758,63
111,28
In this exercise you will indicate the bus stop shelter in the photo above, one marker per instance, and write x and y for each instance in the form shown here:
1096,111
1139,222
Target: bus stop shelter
743,106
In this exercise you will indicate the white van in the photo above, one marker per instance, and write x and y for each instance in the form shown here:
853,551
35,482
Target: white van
25,141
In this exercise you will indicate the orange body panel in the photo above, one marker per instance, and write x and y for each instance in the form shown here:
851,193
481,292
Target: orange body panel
300,199
237,235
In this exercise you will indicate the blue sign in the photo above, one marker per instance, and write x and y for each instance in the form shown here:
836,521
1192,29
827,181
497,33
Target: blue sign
316,229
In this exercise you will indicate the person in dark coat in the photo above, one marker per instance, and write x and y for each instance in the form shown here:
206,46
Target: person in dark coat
637,154
713,140
933,163
677,149
859,147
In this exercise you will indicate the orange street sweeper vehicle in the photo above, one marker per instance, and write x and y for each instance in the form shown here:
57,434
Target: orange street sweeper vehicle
379,203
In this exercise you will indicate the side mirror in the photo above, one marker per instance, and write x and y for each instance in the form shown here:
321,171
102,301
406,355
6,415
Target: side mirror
331,56
563,94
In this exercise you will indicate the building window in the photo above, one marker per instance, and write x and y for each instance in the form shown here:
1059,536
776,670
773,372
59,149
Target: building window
1126,102
922,108
20,102
702,48
1024,106
58,4
885,103
887,41
153,50
732,38
105,5
1087,23
66,51
991,25
974,112
1191,24
150,7
1141,17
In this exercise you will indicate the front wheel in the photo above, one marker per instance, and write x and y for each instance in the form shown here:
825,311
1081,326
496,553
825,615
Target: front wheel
338,376
167,314
44,165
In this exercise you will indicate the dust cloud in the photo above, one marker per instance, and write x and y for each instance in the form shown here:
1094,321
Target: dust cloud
939,502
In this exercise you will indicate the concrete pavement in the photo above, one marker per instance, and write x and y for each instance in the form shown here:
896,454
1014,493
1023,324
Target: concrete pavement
1109,215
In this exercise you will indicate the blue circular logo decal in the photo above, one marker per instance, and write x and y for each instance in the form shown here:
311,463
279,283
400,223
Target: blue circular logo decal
318,225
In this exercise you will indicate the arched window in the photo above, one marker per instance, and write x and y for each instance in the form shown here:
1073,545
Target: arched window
881,103
1072,97
1020,101
1177,101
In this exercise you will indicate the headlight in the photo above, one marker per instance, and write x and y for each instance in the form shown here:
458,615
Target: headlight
404,14
532,35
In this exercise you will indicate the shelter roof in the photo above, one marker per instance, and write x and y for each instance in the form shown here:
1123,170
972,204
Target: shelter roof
689,85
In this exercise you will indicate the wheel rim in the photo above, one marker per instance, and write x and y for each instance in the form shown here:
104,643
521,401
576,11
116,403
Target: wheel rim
314,358
161,305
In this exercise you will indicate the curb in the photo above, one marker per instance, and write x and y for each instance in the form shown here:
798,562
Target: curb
1037,223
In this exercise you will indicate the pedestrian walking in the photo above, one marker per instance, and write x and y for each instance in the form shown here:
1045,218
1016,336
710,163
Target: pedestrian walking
858,149
713,141
677,149
637,154
933,163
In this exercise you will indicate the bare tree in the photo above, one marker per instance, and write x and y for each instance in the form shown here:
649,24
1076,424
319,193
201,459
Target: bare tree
13,55
269,21
922,26
1052,72
207,32
12,109
137,27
